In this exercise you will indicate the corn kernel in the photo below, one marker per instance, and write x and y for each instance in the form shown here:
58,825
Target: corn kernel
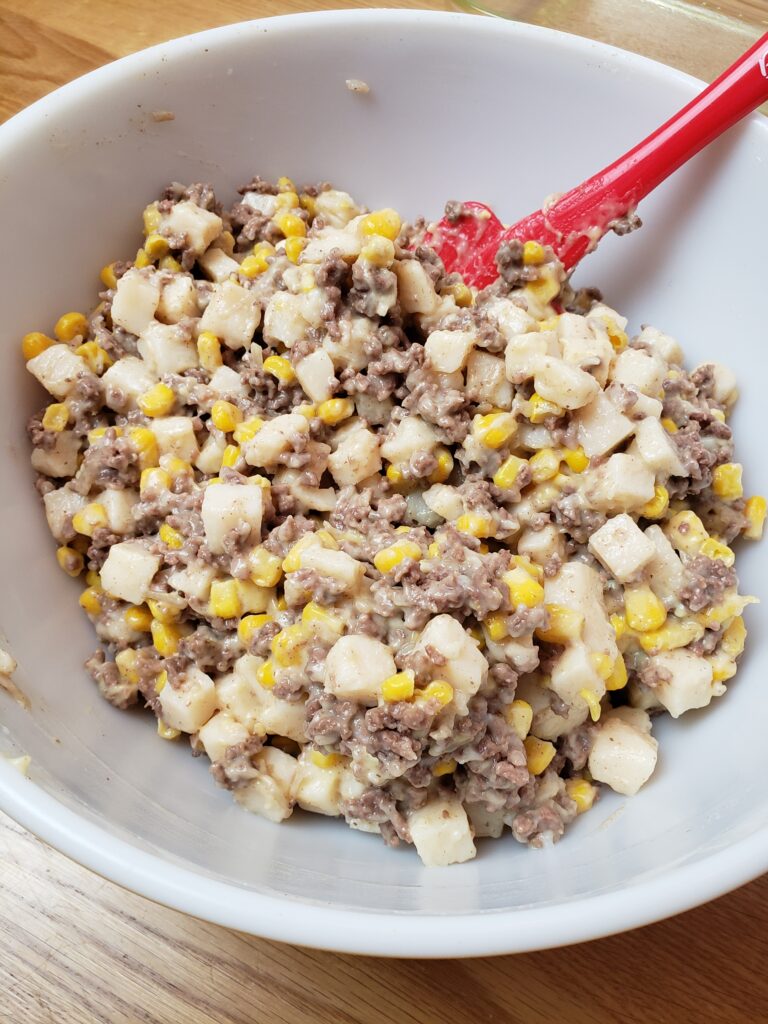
152,218
539,754
544,289
99,432
292,561
395,475
398,687
156,246
249,625
253,265
248,429
163,611
288,645
592,701
225,599
723,667
70,325
658,505
669,425
390,557
285,184
291,225
176,467
575,459
507,473
161,682
719,415
603,664
165,637
92,578
686,532
89,519
673,634
462,295
539,409
142,259
127,665
170,263
731,605
225,416
643,609
146,443
565,624
107,276
617,680
433,551
231,456
734,638
166,732
34,343
158,401
444,768
90,600
56,417
308,203
544,464
533,253
519,717
265,569
522,589
70,561
496,626
495,429
265,675
294,247
444,466
138,617
95,356
321,760
726,481
315,614
154,480
286,200
582,793
382,222
335,410
755,511
171,537
209,351
715,549
618,338
438,690
280,368
476,525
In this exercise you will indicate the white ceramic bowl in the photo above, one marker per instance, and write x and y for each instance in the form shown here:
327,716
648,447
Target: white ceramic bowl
460,107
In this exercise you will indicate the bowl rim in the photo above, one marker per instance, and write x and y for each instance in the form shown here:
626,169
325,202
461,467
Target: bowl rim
321,925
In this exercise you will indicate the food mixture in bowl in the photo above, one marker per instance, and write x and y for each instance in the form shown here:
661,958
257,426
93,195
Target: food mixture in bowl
381,546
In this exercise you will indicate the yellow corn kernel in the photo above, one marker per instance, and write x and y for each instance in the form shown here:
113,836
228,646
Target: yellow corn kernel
723,667
309,204
544,464
532,568
154,480
253,265
496,626
582,793
90,600
89,519
549,323
382,222
315,614
70,561
166,732
617,680
522,589
163,611
575,459
565,624
99,432
142,259
107,276
249,625
603,664
225,599
462,295
285,184
286,200
335,410
658,505
433,551
265,675
288,645
156,246
209,351
508,472
476,525
161,682
444,466
138,617
715,549
165,637
438,690
592,701
731,605
533,253
444,768
673,634
734,638
643,609
34,343
294,247
280,368
176,467
127,665
248,429
539,409
291,225
146,443
539,754
97,359
170,263
755,511
398,687
265,569
70,325
171,537
495,429
390,557
152,218
92,578
395,475
379,251
158,401
545,288
686,532
669,425
321,760
56,417
231,456
292,561
225,416
726,481
519,716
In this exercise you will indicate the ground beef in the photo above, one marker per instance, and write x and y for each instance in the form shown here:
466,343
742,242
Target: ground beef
374,289
114,462
706,581
112,686
209,649
524,621
575,746
454,210
578,520
377,806
542,824
236,768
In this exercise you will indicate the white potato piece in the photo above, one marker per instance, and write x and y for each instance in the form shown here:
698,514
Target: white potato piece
578,586
128,571
622,547
269,794
441,832
167,348
510,318
217,265
136,300
316,375
546,724
444,500
61,459
640,370
412,434
118,504
541,545
465,668
178,299
321,245
525,351
176,436
724,386
655,447
336,565
317,789
605,314
448,351
198,226
665,572
221,732
275,438
564,384
233,314
241,695
60,505
194,581
623,483
57,369
487,379
356,667
125,381
685,681
575,671
415,291
188,705
585,344
337,208
662,345
601,426
227,383
623,755
356,458
226,507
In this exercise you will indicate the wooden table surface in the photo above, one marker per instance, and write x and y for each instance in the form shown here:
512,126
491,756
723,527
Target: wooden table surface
75,948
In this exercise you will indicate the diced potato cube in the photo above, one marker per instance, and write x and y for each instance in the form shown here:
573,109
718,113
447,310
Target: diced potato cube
465,668
57,369
487,380
685,681
176,436
444,500
622,547
335,564
118,504
654,446
575,671
349,349
221,732
541,545
724,386
316,375
233,314
178,299
623,756
194,581
662,345
228,506
585,343
412,434
128,571
448,351
524,353
546,724
356,667
136,300
288,318
564,384
665,571
317,789
60,505
623,483
242,696
320,247
125,381
640,370
510,318
217,265
601,426
198,226
441,832
337,208
604,313
356,458
270,793
227,383
60,460
578,586
274,438
415,291
211,454
189,705
167,348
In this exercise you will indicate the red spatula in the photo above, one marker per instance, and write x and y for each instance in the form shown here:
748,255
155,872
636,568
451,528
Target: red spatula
575,223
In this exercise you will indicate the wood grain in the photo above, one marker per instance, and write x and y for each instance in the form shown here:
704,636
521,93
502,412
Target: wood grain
75,949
